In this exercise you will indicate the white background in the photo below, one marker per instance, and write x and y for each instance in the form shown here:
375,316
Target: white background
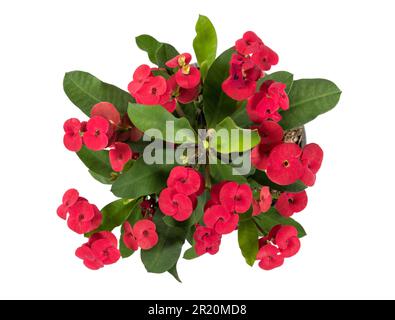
349,251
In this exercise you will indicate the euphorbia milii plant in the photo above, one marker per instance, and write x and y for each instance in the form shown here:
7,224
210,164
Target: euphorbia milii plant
195,150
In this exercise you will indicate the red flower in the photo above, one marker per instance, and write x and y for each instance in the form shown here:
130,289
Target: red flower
287,241
249,44
284,166
290,203
95,137
277,91
184,180
129,239
70,197
120,153
215,190
140,77
236,197
220,219
100,250
107,111
271,133
187,76
188,95
265,58
84,217
241,83
311,158
260,156
260,107
174,204
72,139
167,100
265,199
152,91
145,233
270,257
206,240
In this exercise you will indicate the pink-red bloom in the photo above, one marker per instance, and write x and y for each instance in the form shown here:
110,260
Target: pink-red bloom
264,203
269,257
221,220
265,58
145,234
100,250
120,153
72,139
84,217
187,76
95,137
206,240
249,44
140,77
287,240
129,239
107,111
70,197
311,158
289,203
236,197
284,166
184,180
175,204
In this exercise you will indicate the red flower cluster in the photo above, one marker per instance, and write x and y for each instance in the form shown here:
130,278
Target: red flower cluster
247,66
289,203
149,89
100,250
142,234
179,199
281,242
206,240
105,129
82,217
265,104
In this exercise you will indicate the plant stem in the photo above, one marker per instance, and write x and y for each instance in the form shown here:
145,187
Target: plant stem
179,111
207,177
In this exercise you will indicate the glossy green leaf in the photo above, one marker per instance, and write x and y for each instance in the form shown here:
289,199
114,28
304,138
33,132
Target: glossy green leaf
190,254
230,138
308,99
166,253
164,53
217,105
134,216
240,116
248,240
85,90
148,44
221,172
268,220
205,44
156,117
100,178
173,271
142,179
97,162
261,177
279,76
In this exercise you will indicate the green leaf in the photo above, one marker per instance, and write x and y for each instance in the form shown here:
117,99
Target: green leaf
190,111
164,53
148,44
230,138
85,90
174,273
248,240
165,254
100,178
240,116
279,76
190,254
221,172
261,177
269,219
97,162
205,44
155,117
142,179
308,99
134,216
115,213
217,105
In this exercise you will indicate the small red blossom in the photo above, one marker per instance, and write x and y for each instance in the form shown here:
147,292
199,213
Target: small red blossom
265,58
84,217
215,190
265,199
145,233
277,90
220,219
95,137
107,111
289,203
120,153
140,77
72,139
152,91
249,44
70,197
236,197
287,240
184,180
269,257
129,239
187,76
188,95
174,204
271,133
206,240
284,166
311,158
